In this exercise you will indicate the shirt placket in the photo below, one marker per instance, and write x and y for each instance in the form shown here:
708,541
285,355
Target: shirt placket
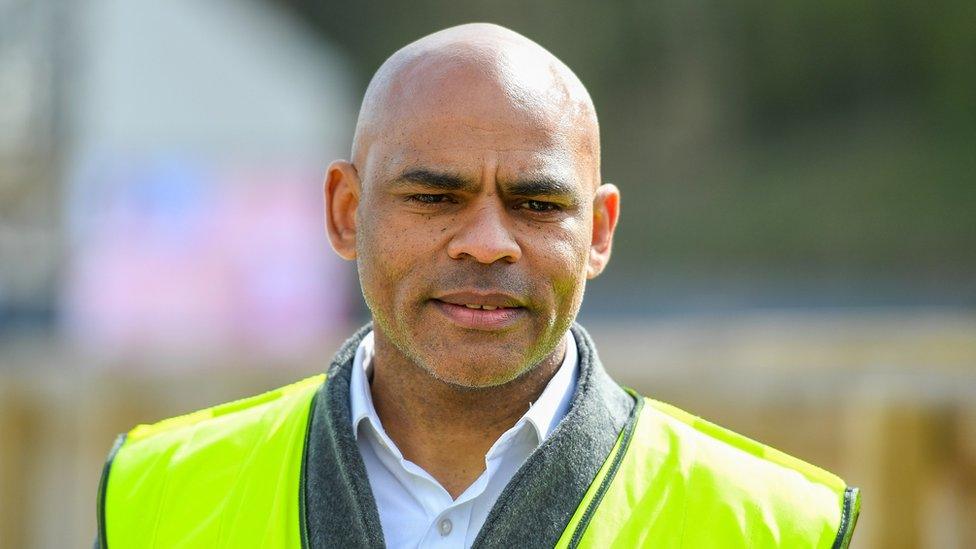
449,528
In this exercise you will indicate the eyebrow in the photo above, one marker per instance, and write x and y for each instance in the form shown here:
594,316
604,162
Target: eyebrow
441,181
542,186
446,182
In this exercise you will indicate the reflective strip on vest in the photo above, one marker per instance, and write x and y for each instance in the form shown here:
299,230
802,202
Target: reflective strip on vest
231,477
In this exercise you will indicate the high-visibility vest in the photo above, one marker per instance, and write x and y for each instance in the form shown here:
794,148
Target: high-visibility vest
230,476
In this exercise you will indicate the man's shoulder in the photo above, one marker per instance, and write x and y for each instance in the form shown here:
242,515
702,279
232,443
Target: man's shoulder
696,441
242,414
674,476
183,467
721,473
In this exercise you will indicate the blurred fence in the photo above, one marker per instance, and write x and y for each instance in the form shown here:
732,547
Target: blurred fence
887,401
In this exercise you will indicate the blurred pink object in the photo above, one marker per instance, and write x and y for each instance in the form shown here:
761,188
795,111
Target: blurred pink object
174,257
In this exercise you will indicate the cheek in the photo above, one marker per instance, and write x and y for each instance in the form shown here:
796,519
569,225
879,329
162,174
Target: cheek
576,244
376,264
563,255
393,248
568,287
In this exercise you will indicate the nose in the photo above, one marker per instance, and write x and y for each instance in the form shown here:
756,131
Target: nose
485,236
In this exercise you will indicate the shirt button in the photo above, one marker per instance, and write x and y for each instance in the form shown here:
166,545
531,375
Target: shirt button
445,526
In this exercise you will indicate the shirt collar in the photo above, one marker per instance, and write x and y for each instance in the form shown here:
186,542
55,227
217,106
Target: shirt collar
543,414
554,401
361,400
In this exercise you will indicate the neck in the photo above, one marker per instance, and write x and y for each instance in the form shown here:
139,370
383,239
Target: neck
445,429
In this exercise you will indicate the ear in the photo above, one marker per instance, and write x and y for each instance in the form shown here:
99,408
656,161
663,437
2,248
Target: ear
606,210
342,189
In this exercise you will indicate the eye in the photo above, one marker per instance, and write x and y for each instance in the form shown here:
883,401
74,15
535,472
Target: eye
429,198
540,206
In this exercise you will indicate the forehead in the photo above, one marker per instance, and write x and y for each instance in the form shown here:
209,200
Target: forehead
510,142
512,113
469,150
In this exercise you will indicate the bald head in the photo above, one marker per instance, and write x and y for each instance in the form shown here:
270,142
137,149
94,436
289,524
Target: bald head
485,78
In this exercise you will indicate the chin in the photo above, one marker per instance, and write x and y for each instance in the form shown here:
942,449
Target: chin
476,375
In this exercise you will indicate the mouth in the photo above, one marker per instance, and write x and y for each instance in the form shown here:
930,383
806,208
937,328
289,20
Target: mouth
486,312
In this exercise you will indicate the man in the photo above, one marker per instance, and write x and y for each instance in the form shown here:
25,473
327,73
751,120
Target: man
471,411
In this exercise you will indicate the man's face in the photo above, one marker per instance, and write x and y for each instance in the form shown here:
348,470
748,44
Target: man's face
474,230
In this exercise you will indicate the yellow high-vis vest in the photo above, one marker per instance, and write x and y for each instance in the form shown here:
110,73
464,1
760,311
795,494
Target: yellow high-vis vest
230,476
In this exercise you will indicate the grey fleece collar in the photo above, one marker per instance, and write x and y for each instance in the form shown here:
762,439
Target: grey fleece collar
338,509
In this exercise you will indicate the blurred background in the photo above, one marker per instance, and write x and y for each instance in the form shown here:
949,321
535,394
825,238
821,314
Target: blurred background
796,258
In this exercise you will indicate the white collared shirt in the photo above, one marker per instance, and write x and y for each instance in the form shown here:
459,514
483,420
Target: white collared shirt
415,510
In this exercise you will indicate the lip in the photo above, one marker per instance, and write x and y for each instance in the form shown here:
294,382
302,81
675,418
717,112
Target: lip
452,306
495,299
